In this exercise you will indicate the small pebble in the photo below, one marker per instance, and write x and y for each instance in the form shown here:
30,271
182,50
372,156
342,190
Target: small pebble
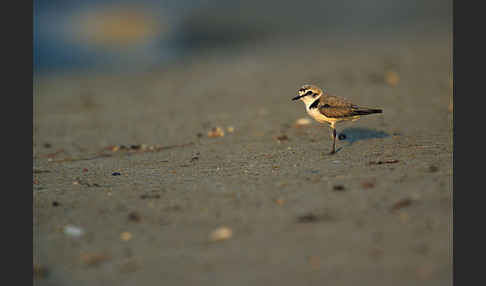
221,233
136,147
310,217
338,188
367,185
401,204
148,196
116,174
55,204
392,78
216,132
135,217
230,129
125,236
282,137
94,258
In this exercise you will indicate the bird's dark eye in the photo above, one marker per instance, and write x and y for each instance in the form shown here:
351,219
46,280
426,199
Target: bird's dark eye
308,92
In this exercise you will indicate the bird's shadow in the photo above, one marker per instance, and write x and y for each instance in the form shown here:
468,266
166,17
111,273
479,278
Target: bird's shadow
354,134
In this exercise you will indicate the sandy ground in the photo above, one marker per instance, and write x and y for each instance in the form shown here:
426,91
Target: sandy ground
378,212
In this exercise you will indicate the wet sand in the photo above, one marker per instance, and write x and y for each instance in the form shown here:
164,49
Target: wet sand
127,159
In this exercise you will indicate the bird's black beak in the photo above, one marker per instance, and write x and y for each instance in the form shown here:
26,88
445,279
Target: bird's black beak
298,97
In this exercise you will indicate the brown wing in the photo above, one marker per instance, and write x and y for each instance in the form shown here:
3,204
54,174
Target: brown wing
336,107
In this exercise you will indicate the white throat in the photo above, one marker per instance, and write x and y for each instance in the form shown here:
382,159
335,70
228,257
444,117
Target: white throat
308,100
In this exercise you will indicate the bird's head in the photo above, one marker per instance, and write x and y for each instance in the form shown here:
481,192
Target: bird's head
308,93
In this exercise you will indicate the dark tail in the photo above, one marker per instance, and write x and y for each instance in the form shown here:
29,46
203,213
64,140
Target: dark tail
366,111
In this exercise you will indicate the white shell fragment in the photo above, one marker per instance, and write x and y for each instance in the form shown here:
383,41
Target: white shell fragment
73,231
302,121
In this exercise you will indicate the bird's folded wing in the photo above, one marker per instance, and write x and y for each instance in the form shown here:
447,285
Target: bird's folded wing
338,112
336,107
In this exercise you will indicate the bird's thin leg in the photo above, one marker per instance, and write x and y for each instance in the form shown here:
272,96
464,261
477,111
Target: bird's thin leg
333,140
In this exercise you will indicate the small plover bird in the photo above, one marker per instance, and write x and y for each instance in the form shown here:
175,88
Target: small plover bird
325,108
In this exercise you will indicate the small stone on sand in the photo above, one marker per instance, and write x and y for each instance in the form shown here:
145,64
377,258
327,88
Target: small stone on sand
221,233
125,236
392,78
216,132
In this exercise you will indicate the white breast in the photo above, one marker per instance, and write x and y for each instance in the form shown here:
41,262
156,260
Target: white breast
314,113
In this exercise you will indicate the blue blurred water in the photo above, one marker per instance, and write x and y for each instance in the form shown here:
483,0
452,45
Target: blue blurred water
140,35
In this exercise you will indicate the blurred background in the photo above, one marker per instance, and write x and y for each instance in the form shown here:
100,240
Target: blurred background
132,36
